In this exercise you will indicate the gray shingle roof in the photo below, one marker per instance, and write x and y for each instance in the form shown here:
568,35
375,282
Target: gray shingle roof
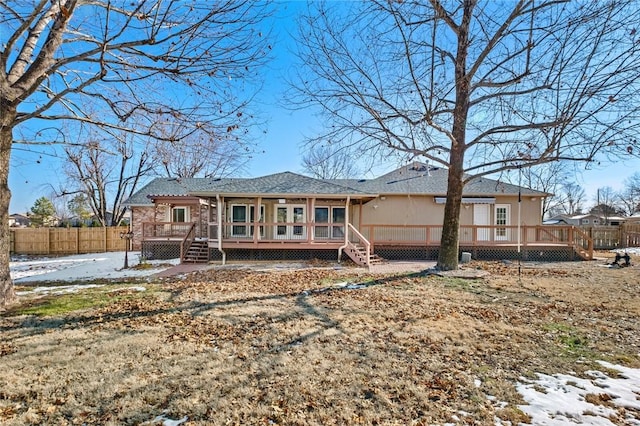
172,187
416,178
282,184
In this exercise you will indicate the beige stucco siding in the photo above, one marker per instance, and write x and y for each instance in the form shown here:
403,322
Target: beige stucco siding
423,210
402,210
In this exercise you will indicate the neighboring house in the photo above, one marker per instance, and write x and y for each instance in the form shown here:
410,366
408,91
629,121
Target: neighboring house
586,220
561,219
283,216
93,220
19,220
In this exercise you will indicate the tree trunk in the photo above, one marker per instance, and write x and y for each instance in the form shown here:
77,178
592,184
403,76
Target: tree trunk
7,116
449,243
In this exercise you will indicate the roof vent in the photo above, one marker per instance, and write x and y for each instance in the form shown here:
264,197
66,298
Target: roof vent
362,180
419,167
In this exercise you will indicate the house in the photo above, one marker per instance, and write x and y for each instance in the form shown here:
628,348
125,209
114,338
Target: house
93,220
588,219
289,216
19,220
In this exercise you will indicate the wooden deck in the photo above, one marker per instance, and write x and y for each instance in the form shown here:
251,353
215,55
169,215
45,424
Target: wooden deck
309,236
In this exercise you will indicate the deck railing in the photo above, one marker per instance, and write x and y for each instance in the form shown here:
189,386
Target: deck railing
355,237
278,231
165,229
187,240
480,236
378,234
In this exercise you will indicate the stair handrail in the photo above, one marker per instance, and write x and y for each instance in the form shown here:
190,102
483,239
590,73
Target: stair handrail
187,240
363,240
587,250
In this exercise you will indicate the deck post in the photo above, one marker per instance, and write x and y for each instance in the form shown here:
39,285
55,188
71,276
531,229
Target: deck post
311,203
346,228
219,208
256,220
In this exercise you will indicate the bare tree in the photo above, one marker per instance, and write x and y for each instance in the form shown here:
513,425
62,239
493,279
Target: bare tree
570,200
125,58
329,162
477,86
546,177
606,204
106,173
629,197
203,151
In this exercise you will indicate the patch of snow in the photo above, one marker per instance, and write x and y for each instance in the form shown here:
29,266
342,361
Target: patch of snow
83,267
135,288
561,399
625,389
167,421
63,289
635,251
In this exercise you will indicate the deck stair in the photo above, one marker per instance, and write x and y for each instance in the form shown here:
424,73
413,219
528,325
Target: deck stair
198,252
358,254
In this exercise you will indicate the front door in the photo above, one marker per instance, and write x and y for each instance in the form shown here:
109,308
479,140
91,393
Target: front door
482,219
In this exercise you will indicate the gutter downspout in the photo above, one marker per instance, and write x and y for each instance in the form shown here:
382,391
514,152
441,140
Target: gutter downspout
346,229
219,214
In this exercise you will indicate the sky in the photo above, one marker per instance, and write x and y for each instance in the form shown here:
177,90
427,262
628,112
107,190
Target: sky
36,174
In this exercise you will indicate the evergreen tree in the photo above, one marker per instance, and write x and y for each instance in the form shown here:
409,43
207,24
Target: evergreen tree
43,212
79,207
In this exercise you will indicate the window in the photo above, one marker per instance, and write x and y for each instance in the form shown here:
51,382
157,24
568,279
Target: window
334,218
239,215
179,214
322,216
585,221
338,218
298,217
281,217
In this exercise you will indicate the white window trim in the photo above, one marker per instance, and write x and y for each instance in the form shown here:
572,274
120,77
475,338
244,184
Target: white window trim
187,213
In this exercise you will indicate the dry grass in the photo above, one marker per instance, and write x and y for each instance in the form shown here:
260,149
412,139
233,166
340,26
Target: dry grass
297,347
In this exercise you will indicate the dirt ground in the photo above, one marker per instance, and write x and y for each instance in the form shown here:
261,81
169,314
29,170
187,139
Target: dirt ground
314,345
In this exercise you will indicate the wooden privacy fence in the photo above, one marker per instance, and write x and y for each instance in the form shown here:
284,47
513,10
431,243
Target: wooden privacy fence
631,235
611,237
67,240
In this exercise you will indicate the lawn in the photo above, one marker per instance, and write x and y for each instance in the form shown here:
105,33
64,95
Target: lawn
320,346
